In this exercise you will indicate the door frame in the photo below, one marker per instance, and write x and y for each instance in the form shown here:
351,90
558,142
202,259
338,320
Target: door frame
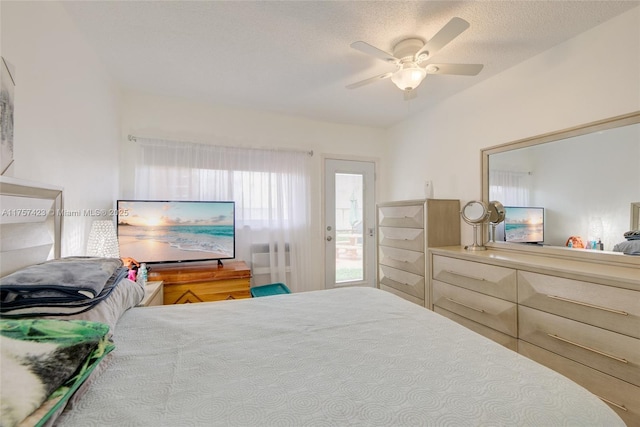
376,189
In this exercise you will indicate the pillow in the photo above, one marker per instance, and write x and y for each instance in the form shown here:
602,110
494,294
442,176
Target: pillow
43,362
630,247
46,415
125,295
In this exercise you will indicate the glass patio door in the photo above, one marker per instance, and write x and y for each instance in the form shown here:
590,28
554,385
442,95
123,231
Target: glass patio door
349,227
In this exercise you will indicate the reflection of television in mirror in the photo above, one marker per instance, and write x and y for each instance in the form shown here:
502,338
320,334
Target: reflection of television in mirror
522,225
174,231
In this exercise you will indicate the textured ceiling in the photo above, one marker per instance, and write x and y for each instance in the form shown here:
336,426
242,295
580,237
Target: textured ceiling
293,57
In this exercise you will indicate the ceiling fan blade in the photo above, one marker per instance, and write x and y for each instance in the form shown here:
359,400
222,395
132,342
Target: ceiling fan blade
410,94
458,69
369,80
374,51
450,31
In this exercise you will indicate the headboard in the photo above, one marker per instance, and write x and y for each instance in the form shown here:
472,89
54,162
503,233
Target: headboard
30,223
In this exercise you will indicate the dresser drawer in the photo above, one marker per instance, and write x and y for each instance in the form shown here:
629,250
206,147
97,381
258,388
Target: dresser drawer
496,313
402,238
488,279
606,351
403,295
615,309
622,397
412,284
503,339
410,216
219,290
402,259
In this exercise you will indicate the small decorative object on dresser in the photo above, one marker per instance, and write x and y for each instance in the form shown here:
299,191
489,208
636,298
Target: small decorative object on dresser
405,230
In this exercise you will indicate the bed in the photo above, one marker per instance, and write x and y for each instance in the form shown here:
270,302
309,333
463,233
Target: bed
350,356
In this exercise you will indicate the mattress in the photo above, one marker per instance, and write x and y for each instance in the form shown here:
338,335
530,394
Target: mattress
354,356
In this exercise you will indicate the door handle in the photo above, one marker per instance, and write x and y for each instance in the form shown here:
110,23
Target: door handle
329,238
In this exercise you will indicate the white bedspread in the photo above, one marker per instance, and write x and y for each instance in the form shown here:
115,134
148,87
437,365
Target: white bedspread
346,357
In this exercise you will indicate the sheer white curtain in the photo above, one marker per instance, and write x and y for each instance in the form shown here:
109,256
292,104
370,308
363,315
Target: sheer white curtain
271,189
510,188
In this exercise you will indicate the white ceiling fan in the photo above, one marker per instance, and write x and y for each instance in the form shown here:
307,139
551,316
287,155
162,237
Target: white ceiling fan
409,57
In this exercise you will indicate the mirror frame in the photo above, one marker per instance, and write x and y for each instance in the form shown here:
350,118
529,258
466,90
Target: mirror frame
635,216
596,126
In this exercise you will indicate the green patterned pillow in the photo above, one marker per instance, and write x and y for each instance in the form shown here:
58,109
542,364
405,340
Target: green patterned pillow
44,361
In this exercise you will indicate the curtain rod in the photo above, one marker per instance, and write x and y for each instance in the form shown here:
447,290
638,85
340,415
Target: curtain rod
309,152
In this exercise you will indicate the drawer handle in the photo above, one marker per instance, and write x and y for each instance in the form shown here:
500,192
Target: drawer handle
468,276
479,310
617,405
586,304
397,260
602,353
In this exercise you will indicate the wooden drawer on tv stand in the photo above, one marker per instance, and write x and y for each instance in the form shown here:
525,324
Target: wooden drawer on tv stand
201,283
218,290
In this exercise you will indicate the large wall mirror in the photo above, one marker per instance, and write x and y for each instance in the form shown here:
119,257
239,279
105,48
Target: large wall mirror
585,178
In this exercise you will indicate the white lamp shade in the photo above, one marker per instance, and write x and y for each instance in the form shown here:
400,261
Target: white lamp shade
596,228
103,241
409,76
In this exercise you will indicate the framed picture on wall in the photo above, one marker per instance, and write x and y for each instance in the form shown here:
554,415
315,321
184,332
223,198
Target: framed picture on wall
6,116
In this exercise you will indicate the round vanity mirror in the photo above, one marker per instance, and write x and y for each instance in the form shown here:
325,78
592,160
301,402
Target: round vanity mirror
475,212
496,212
496,216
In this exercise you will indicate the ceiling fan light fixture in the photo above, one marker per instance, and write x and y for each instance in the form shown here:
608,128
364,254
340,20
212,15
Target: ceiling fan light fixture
409,76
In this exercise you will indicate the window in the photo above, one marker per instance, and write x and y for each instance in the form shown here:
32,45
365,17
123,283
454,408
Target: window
271,189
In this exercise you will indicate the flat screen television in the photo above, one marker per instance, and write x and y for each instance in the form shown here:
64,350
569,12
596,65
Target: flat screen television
153,231
523,224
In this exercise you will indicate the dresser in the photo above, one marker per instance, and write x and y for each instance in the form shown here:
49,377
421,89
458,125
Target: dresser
191,283
579,318
405,230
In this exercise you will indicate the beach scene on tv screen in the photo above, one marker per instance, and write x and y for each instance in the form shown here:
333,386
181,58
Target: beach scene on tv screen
175,231
524,225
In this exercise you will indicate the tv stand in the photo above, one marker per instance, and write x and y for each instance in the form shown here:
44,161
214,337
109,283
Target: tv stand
220,264
191,283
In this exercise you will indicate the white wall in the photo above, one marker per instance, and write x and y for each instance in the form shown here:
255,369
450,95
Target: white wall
590,77
176,119
66,120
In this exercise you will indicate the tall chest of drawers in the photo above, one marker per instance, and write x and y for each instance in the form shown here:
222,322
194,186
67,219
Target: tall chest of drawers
578,318
405,230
